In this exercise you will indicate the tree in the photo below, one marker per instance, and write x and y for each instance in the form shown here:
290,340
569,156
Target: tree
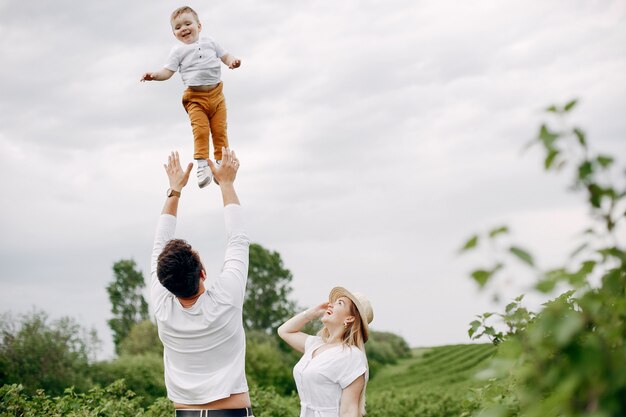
127,303
143,338
38,353
569,359
266,306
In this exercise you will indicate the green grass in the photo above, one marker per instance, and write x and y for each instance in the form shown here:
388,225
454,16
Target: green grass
433,382
434,366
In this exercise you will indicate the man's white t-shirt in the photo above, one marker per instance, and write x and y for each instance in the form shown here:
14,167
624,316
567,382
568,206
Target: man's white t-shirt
204,345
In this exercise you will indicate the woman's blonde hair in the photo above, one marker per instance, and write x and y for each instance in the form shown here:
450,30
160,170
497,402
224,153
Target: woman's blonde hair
352,336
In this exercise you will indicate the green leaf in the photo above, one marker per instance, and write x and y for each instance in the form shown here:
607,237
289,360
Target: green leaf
569,106
595,195
568,326
546,285
604,160
611,251
510,307
481,276
552,154
498,231
471,243
612,281
579,249
552,109
522,255
474,327
580,135
588,231
547,137
585,170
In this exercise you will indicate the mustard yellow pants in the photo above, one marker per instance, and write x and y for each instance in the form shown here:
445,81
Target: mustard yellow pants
207,113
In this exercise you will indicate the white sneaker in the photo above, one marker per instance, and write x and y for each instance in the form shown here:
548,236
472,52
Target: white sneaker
219,162
204,176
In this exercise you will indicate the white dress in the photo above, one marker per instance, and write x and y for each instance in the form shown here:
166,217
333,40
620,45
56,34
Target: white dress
321,379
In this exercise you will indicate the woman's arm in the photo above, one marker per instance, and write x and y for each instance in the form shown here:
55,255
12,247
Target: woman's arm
351,397
290,332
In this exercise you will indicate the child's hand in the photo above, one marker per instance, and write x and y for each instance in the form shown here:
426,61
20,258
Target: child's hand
235,63
148,76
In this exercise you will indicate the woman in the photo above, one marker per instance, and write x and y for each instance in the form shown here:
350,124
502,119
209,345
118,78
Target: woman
332,374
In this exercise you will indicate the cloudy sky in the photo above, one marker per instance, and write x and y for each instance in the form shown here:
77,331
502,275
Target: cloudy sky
374,136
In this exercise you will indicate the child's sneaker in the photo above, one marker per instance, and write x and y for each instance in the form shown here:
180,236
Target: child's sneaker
219,162
204,176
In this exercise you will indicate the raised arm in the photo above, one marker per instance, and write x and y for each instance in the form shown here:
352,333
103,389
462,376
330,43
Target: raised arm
230,286
160,75
290,332
167,221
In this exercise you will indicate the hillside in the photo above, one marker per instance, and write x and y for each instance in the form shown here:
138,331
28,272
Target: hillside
434,382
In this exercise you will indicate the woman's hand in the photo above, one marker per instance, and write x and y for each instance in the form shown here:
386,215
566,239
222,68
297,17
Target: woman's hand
317,311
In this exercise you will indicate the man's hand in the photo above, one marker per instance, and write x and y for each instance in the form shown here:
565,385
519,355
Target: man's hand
226,172
178,178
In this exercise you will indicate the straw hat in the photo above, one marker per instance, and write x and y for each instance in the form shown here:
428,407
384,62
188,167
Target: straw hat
362,304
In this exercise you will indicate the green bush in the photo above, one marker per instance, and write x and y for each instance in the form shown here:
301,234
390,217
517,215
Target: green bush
266,402
116,400
37,353
142,338
113,401
267,365
423,402
143,374
569,359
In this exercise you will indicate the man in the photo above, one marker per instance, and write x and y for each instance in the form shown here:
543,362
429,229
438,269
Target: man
201,327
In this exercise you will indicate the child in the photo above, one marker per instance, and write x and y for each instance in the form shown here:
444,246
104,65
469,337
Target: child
197,59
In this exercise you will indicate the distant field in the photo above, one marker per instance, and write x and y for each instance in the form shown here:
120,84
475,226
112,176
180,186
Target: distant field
434,382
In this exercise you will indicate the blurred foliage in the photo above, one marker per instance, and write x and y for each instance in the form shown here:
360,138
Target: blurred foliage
127,303
267,303
568,359
141,373
384,348
39,353
266,402
267,365
142,338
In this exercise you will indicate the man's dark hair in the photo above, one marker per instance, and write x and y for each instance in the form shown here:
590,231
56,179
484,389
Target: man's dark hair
179,268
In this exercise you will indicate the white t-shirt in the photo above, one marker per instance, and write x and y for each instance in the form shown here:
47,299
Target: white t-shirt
198,63
321,379
204,345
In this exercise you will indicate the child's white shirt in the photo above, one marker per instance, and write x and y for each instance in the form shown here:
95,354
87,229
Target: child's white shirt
198,63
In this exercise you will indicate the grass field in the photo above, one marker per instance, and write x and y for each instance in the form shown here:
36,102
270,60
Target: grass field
433,382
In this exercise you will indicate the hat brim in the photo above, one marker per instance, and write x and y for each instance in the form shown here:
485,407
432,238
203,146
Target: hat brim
337,292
